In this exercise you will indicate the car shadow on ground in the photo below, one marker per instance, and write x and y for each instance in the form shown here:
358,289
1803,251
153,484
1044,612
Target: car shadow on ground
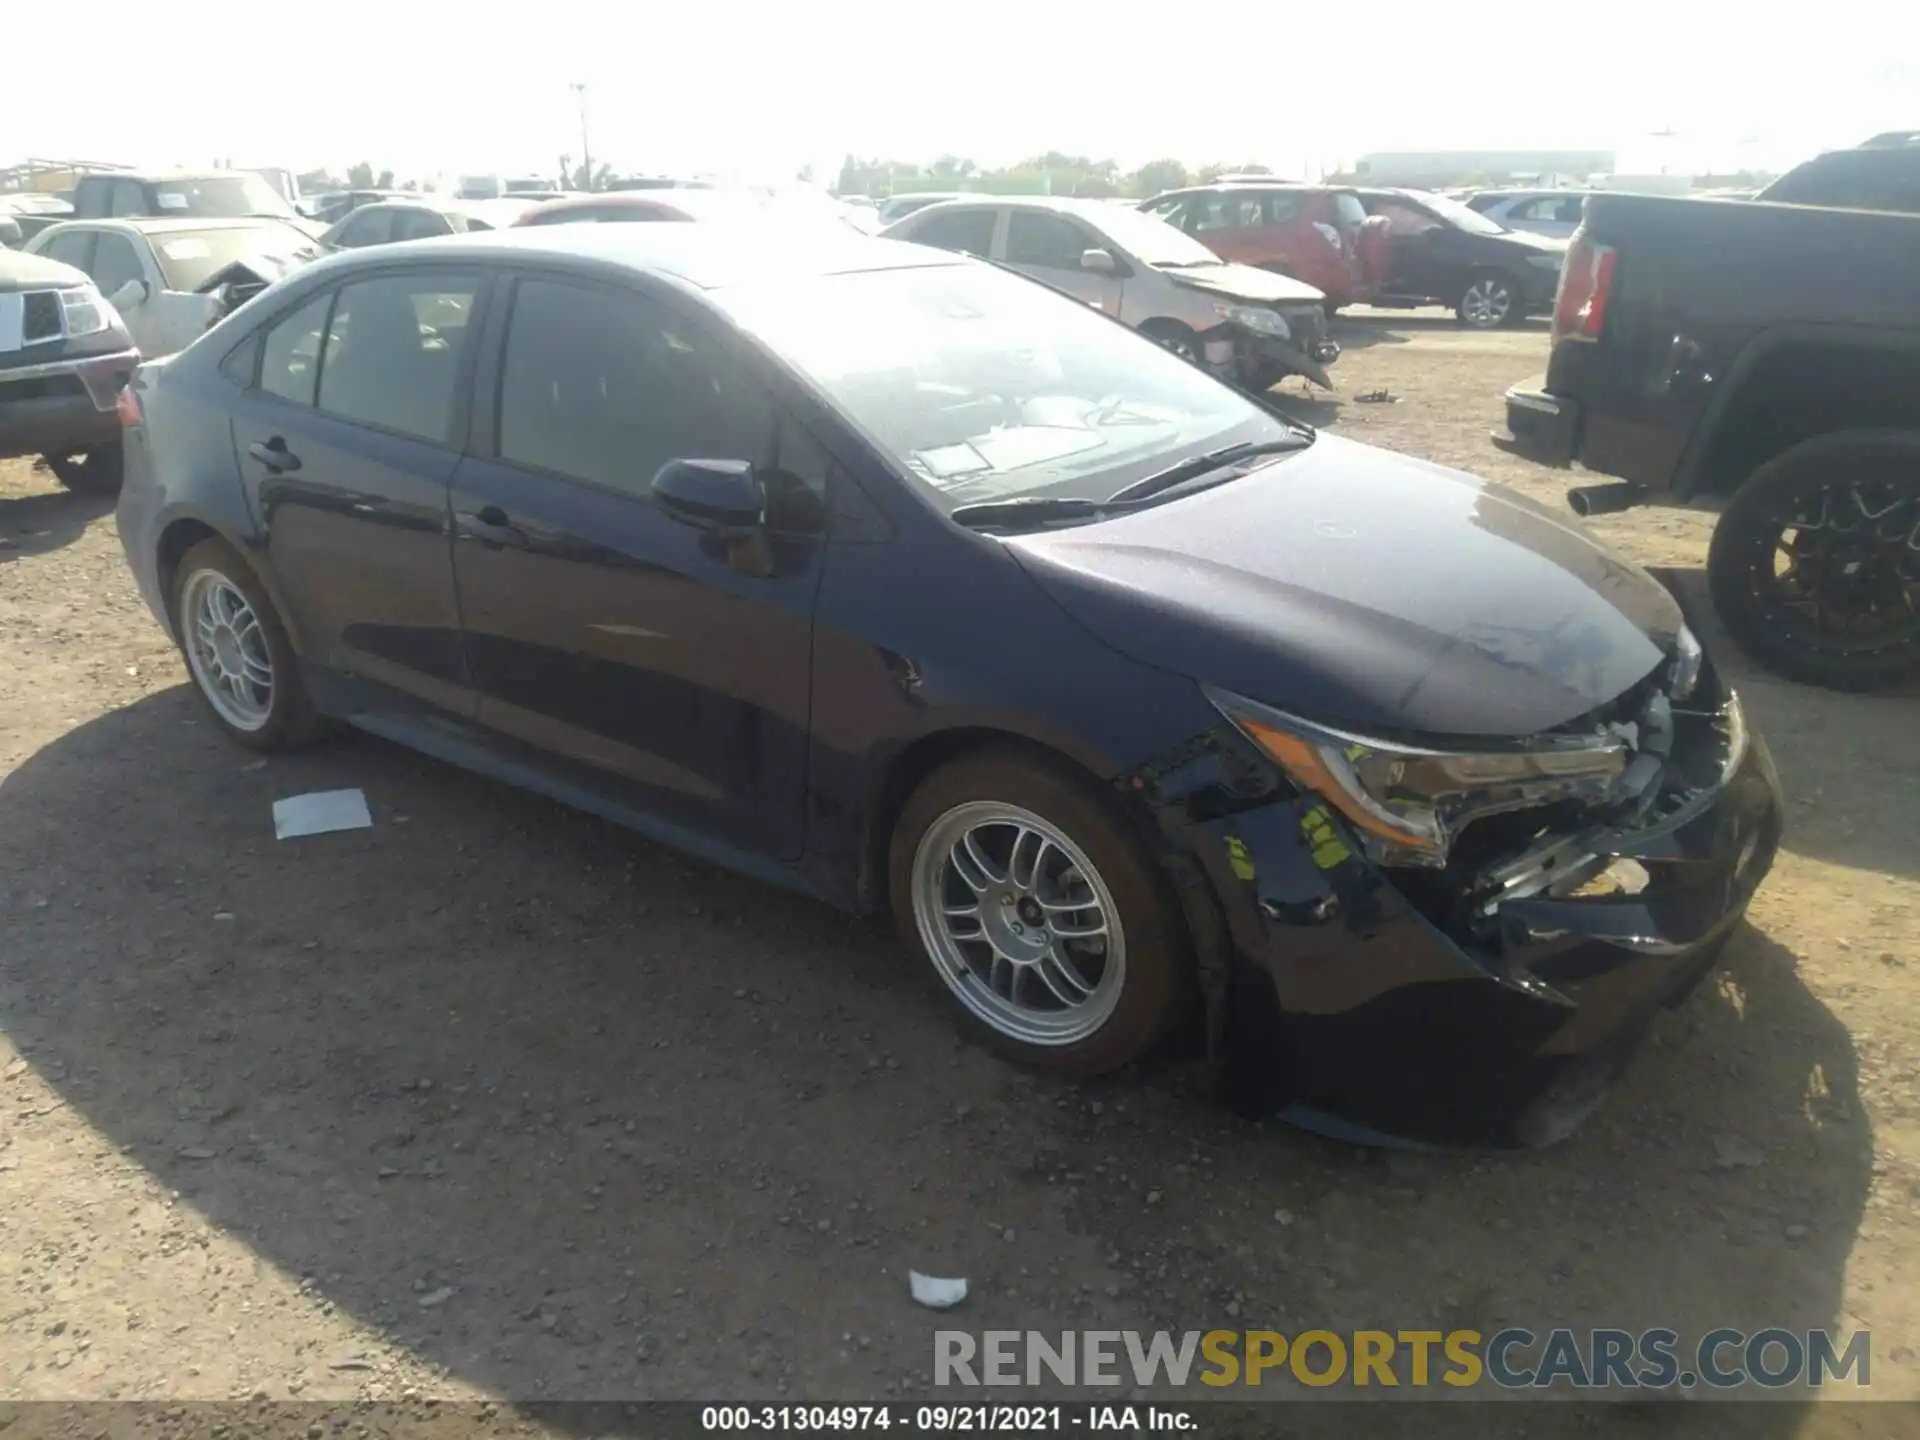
1362,328
35,524
1847,762
655,1130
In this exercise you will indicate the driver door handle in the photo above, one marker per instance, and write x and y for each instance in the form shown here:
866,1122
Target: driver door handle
273,453
490,526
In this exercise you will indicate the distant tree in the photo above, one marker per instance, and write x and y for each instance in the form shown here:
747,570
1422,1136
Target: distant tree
360,176
804,175
1155,176
318,182
385,182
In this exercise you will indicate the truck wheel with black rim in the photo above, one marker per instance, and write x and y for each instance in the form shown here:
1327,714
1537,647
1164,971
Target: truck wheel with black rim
1046,925
243,666
89,472
1815,564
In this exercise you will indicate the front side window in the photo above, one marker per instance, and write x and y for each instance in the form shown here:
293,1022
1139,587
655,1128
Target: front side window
981,385
608,387
968,232
393,352
128,198
1045,240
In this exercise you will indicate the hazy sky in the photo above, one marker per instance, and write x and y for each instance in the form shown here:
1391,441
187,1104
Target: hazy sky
757,90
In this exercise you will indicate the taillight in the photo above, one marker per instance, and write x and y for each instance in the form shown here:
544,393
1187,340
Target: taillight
127,406
1580,306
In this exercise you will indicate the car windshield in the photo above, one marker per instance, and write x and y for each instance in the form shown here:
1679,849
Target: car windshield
983,385
190,258
220,197
1462,217
1148,238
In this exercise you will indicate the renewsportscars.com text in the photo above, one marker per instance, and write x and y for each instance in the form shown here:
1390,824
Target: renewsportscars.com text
1511,1359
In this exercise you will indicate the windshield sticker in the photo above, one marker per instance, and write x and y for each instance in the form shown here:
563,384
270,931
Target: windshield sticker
170,199
187,248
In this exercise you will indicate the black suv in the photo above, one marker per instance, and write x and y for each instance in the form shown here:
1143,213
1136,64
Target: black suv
64,358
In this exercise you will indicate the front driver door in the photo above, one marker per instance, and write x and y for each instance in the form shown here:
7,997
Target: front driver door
1048,247
628,649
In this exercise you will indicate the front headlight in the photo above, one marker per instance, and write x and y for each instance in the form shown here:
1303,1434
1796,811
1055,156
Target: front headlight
1545,262
1256,319
85,310
1407,801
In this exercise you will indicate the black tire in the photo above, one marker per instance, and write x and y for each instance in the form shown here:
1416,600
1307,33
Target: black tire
290,720
1875,469
1181,339
1490,317
89,472
1155,939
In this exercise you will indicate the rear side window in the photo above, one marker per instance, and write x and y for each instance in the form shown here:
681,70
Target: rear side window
1045,240
72,247
393,352
1853,179
1281,206
968,231
1349,210
607,388
129,197
290,354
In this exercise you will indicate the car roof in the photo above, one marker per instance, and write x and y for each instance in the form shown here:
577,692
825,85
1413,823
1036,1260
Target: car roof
1062,204
1216,187
695,203
160,177
172,224
704,257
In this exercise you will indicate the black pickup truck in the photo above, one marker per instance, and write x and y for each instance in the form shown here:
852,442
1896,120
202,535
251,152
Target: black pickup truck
1768,356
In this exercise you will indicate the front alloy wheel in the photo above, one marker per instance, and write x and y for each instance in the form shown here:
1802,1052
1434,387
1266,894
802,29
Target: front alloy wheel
1019,923
1053,932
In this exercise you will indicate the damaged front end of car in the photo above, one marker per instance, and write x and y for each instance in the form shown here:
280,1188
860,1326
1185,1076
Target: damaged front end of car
1460,945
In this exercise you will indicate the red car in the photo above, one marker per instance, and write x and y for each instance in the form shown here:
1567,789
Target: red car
1310,232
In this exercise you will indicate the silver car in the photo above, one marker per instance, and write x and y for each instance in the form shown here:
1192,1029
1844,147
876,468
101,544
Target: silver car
1553,213
1248,326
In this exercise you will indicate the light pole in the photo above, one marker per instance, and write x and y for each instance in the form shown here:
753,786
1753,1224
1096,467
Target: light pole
586,155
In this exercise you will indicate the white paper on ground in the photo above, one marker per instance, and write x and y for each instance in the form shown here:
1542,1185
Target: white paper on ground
320,812
934,1293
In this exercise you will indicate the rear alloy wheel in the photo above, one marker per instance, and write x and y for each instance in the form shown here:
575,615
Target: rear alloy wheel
1815,564
1489,301
237,651
1045,925
89,472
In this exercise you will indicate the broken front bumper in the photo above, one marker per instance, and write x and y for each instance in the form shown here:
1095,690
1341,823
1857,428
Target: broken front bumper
1351,1009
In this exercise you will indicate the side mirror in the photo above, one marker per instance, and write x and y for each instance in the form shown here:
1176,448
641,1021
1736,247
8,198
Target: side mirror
711,494
1100,262
134,292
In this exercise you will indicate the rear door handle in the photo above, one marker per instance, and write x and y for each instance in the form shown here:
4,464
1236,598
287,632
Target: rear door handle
490,526
273,454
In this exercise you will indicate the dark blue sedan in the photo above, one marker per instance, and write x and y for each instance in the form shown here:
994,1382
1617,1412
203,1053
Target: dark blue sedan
885,574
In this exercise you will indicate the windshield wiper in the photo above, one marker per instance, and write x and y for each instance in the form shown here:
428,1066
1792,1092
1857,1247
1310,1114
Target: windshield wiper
1197,466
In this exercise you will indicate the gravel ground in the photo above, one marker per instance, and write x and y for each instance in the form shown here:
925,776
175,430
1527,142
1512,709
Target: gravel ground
496,1101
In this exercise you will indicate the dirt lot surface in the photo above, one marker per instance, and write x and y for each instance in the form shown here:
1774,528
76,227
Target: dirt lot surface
495,1100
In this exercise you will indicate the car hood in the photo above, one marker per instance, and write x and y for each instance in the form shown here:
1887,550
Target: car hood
1243,282
19,271
1364,589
